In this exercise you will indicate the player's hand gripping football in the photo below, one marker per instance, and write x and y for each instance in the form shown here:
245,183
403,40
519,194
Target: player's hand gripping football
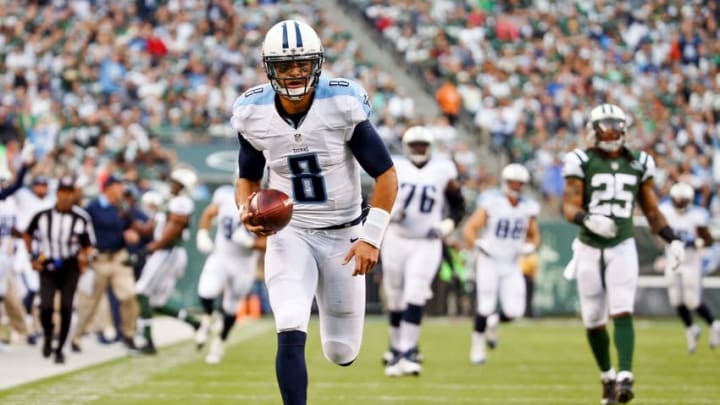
366,257
247,216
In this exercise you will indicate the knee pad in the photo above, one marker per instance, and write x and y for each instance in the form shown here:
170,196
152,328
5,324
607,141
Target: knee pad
394,300
289,317
592,320
339,352
692,301
512,313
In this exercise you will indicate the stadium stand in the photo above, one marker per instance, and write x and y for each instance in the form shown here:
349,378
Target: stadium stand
528,72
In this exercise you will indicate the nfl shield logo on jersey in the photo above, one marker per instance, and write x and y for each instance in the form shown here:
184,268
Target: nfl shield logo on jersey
298,138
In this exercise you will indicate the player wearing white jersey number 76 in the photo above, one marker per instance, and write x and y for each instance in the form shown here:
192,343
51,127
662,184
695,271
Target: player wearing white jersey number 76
314,135
502,228
412,248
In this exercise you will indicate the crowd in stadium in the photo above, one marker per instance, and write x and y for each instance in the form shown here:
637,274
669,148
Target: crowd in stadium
104,89
528,72
114,85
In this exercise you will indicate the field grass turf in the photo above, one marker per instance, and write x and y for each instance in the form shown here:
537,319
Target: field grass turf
537,362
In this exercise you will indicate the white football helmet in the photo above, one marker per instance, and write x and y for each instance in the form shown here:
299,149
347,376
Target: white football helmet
514,172
682,195
417,144
152,201
185,177
607,127
287,42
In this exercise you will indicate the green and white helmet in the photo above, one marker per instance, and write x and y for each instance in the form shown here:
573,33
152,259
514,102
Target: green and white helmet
607,127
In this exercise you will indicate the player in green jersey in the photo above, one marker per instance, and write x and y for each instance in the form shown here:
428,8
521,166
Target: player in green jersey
602,185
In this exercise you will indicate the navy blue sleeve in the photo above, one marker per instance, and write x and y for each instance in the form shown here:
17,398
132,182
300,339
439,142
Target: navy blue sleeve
251,162
15,186
370,150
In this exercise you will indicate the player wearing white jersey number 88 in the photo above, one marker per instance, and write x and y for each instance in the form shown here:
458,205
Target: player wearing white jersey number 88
412,248
502,228
684,281
313,133
229,269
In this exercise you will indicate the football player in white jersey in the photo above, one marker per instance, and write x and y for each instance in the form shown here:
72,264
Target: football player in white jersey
167,257
412,249
502,228
33,200
229,269
690,223
314,135
11,290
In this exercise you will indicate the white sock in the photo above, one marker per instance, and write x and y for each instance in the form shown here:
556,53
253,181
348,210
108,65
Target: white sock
395,337
493,320
409,336
625,375
478,339
609,375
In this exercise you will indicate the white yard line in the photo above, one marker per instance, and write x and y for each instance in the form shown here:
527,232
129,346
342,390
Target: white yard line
133,370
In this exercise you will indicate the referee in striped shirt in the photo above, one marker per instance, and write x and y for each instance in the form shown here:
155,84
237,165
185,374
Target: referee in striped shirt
65,238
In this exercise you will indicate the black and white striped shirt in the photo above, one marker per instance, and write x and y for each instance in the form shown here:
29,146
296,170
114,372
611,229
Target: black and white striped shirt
60,235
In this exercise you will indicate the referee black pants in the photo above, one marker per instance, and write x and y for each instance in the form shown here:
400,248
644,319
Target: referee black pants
63,279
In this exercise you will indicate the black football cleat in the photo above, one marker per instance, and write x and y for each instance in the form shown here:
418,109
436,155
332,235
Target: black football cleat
625,390
609,392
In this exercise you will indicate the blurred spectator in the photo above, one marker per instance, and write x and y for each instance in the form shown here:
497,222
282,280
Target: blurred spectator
449,100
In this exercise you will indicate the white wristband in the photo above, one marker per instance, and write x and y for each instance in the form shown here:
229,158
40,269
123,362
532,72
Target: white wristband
374,228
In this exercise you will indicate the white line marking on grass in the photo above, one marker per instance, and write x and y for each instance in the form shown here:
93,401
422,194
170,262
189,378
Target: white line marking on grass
96,382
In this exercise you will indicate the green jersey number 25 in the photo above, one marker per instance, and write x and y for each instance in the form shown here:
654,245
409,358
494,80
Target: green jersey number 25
611,195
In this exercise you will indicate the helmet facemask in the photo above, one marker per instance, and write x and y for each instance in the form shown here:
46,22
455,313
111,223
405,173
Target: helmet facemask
418,152
514,177
293,76
417,144
609,134
681,195
681,204
512,188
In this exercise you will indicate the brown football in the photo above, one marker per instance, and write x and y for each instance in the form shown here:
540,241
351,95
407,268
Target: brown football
272,209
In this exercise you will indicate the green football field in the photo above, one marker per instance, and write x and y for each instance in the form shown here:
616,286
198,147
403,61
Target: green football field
537,362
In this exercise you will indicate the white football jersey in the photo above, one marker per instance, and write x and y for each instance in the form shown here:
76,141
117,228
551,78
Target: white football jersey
313,163
685,224
421,195
506,228
31,204
8,220
228,221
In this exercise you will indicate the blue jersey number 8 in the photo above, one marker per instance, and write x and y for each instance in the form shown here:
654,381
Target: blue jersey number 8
308,183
